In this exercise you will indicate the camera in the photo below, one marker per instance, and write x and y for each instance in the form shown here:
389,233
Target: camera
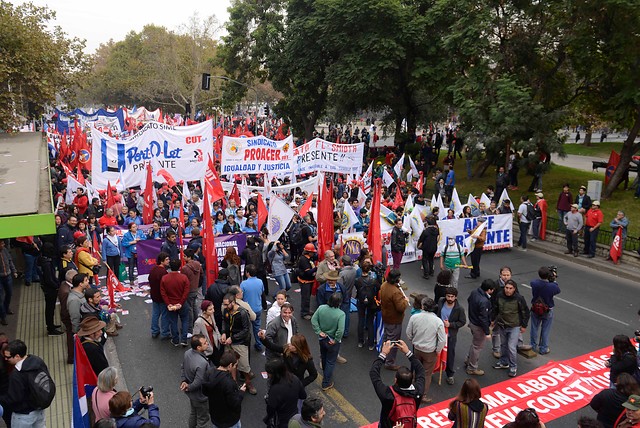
378,269
553,273
145,391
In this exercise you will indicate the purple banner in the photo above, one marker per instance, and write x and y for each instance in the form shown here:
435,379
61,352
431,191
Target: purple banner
148,250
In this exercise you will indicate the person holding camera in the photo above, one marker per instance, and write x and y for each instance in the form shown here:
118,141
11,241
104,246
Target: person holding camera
276,257
542,305
126,411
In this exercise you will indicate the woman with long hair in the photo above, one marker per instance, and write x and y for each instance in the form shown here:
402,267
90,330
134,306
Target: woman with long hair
284,392
219,223
299,360
467,410
232,262
623,359
608,402
466,212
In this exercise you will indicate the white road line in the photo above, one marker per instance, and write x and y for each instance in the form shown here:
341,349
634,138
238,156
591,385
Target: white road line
584,309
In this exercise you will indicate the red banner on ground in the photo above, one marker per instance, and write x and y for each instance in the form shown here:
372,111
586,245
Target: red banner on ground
554,390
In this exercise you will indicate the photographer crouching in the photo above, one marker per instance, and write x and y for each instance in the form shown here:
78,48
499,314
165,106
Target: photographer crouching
125,410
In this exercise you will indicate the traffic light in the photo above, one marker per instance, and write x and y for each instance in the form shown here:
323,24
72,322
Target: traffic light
266,109
206,81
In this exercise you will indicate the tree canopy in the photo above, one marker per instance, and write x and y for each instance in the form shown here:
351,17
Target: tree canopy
36,63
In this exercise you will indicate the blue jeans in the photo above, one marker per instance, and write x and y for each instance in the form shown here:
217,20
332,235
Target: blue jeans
328,356
544,324
346,308
561,226
524,228
34,419
284,282
6,291
366,316
256,328
509,346
30,269
178,336
159,313
590,239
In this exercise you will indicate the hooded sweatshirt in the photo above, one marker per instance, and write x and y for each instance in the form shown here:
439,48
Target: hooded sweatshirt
18,394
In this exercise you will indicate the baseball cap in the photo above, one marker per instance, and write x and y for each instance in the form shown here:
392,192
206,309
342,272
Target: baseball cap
540,195
583,187
575,206
596,203
632,403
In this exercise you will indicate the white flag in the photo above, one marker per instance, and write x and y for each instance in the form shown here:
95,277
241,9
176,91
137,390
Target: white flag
367,177
387,179
504,196
485,199
244,192
443,212
280,215
186,194
362,197
455,205
472,202
470,242
72,186
408,204
399,165
349,217
413,172
434,203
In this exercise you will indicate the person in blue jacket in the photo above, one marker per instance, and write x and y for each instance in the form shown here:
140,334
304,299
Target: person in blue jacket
125,410
112,249
129,241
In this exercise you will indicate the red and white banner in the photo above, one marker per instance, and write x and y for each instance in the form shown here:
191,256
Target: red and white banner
553,390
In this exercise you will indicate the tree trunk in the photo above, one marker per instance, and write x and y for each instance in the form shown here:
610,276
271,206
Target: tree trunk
507,152
627,152
588,133
309,126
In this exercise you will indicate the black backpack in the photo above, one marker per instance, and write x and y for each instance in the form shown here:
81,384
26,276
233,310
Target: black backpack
42,389
531,212
367,291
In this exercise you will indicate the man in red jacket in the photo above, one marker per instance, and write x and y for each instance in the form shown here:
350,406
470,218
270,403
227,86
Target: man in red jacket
159,308
174,288
81,201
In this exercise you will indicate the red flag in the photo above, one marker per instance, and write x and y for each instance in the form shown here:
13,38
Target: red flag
110,199
216,192
441,363
398,201
208,241
217,137
306,206
615,252
83,376
80,176
84,151
235,195
168,177
280,135
64,147
147,209
325,218
420,185
263,213
614,160
113,285
374,237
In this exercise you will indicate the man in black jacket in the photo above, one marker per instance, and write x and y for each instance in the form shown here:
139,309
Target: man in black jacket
236,332
90,334
18,395
403,383
511,313
225,397
50,287
398,243
479,323
216,293
454,318
306,275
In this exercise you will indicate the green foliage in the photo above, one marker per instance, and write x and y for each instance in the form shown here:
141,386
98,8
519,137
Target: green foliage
156,67
36,63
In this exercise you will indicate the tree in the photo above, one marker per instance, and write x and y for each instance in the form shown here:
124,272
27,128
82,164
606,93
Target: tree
604,50
36,63
156,66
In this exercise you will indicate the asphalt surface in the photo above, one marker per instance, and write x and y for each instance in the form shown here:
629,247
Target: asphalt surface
592,308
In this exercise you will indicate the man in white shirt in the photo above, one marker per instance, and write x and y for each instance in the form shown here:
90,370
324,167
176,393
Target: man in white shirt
524,221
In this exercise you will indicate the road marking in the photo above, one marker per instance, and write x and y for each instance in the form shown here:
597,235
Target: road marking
585,309
343,404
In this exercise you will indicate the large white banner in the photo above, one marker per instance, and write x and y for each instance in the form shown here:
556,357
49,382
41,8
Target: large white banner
499,231
321,155
181,151
256,155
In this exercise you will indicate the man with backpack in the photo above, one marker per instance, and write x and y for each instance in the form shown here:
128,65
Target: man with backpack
526,214
401,400
31,389
542,304
367,288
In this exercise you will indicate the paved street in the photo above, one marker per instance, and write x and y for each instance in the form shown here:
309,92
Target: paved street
588,314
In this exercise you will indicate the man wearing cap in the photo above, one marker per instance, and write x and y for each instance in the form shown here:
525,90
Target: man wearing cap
90,334
306,275
540,221
476,254
592,222
583,200
631,416
573,224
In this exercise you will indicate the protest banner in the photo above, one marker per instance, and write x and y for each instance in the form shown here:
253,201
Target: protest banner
148,250
499,231
102,119
181,151
321,155
553,390
256,155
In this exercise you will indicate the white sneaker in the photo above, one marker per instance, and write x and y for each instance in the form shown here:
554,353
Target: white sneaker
189,335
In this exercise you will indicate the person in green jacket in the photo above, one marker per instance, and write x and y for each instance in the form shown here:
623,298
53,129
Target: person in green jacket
328,323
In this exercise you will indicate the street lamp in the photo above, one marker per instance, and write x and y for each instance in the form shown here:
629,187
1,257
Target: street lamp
206,82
